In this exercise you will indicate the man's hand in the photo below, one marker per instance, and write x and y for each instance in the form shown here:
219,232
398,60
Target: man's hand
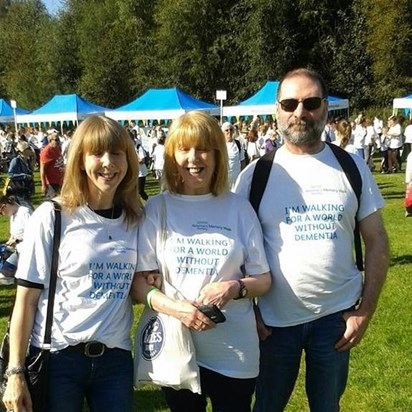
356,325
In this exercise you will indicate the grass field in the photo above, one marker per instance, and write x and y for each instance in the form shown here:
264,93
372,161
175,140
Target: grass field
380,377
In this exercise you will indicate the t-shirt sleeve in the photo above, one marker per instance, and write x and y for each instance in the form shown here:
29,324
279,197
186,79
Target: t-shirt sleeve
371,198
35,257
255,257
45,156
147,238
244,180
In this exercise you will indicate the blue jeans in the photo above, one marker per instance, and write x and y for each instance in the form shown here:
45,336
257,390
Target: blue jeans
106,382
326,368
226,394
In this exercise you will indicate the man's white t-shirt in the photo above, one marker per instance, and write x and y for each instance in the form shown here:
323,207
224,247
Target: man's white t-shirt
359,135
252,150
395,132
235,156
94,277
19,221
210,239
142,166
408,134
307,216
158,157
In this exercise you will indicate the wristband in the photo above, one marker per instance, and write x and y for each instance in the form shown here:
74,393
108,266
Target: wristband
149,296
14,371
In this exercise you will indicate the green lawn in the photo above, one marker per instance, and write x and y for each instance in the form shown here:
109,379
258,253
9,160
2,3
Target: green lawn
380,378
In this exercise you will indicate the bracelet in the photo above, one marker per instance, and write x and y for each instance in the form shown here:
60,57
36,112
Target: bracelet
14,371
149,296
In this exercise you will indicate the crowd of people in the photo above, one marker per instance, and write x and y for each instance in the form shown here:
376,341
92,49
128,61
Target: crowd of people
282,273
362,136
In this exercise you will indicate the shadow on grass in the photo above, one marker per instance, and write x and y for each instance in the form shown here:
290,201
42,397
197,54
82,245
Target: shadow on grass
6,299
149,399
401,260
152,186
395,195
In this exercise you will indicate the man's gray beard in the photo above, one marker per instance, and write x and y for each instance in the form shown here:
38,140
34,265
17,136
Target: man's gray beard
308,137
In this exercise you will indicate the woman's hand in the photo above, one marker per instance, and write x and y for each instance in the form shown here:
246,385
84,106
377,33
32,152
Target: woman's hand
192,317
218,293
17,396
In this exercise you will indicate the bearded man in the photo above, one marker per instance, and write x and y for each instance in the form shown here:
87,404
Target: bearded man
320,303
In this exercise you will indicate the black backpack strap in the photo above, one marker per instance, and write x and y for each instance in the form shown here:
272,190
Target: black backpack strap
237,144
53,274
260,179
353,175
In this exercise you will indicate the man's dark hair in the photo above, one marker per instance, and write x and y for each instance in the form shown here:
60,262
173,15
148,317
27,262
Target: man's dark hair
306,73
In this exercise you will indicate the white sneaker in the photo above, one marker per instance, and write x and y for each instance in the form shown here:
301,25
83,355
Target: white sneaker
6,280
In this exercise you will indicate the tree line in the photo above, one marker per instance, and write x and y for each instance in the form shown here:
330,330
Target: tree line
111,51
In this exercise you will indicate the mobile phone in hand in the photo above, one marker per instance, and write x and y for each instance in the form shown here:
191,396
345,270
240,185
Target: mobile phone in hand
213,313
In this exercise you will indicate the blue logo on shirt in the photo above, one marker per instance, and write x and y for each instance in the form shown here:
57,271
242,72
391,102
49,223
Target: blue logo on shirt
152,338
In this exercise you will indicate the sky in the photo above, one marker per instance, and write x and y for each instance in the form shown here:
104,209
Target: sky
52,5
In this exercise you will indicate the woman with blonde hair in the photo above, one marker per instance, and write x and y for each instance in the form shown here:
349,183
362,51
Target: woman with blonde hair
214,255
91,346
344,136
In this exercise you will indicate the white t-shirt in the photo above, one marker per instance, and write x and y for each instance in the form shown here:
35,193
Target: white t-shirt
252,150
209,239
377,125
359,135
142,166
307,215
18,222
370,135
235,157
94,277
350,148
158,157
395,133
260,143
384,142
408,134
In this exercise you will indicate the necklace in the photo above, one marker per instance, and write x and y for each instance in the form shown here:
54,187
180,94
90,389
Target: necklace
108,214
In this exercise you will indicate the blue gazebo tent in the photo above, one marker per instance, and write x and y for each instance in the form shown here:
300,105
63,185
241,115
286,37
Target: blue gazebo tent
336,103
7,113
263,102
167,103
404,103
61,108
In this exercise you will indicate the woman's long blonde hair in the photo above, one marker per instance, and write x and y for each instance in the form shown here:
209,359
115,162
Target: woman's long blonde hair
196,129
344,132
101,134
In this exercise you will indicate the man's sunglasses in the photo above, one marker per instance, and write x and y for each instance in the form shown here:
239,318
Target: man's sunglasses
310,104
